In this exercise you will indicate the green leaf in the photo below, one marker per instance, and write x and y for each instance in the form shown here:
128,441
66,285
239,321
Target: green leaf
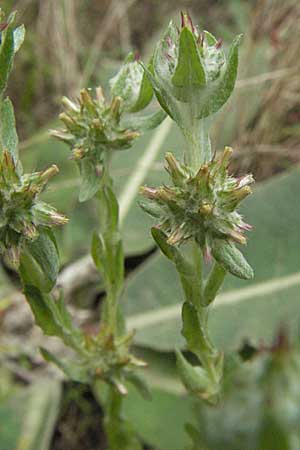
90,180
161,240
211,40
213,284
194,378
164,98
132,85
19,36
144,123
39,264
189,72
231,259
74,371
212,99
145,95
11,43
244,309
8,134
192,329
28,419
160,422
53,318
97,251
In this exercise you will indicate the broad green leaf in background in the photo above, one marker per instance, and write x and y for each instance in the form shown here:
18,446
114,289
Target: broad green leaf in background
27,419
252,309
160,421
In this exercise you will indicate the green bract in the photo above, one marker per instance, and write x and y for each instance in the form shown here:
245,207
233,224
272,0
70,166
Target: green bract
22,214
191,72
203,206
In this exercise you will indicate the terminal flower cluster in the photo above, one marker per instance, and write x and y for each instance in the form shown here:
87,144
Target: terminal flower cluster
202,206
22,214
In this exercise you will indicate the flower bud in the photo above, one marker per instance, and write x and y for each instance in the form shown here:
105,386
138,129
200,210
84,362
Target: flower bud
191,67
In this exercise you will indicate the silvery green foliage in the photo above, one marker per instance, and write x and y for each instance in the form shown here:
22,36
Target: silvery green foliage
203,206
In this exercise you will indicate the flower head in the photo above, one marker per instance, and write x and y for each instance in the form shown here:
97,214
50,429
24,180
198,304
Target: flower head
191,67
201,206
21,212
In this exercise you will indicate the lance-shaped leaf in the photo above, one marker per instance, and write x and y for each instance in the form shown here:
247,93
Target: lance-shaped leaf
90,180
231,259
8,134
193,331
6,53
75,371
210,100
39,263
163,96
144,123
189,276
145,94
19,36
53,317
189,73
11,43
195,379
132,85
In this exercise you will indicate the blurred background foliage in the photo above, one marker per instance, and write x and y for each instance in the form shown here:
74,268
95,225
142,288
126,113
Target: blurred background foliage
72,44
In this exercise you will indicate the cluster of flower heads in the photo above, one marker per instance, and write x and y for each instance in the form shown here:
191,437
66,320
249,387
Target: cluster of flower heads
93,126
21,212
202,206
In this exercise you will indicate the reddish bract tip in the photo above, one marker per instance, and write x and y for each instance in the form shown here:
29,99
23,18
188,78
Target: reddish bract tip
3,26
219,43
186,21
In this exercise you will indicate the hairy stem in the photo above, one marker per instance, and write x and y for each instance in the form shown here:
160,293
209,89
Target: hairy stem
198,146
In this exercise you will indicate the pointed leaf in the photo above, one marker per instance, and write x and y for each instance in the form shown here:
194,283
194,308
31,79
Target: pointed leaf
144,123
8,134
189,71
6,55
194,378
192,329
53,318
164,98
161,240
212,99
39,264
145,95
19,36
231,259
90,180
74,371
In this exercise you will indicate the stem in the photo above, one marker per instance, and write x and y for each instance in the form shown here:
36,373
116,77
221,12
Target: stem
213,283
198,149
113,418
